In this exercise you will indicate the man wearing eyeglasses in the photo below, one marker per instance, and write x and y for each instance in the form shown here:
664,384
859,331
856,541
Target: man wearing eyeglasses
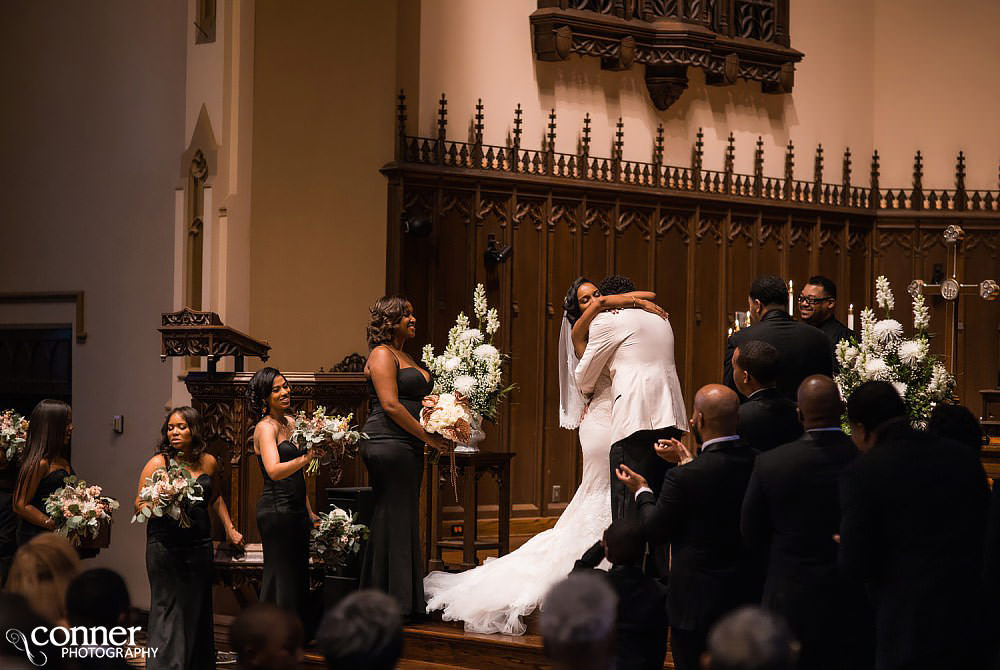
816,304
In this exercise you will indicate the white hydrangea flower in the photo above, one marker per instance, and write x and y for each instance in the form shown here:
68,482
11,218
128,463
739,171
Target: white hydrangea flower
921,314
465,384
877,369
486,352
887,330
900,388
883,294
912,352
471,335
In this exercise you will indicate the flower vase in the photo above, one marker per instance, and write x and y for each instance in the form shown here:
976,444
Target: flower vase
475,437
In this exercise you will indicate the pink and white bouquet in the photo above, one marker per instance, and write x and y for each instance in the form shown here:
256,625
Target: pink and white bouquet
447,415
332,434
169,491
335,537
13,434
80,511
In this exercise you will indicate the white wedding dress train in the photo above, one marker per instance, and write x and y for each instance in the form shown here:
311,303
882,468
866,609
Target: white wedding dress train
493,597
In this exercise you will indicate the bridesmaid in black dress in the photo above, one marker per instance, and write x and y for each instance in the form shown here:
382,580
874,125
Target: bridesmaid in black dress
284,514
394,456
179,561
44,467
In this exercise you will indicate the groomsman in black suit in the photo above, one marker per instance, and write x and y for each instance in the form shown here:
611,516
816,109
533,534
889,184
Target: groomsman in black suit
698,514
767,418
817,302
802,349
792,511
913,516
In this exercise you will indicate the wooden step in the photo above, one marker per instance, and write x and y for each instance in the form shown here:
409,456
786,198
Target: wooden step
445,644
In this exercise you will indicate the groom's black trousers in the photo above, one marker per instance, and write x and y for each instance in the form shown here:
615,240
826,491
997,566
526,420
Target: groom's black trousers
636,451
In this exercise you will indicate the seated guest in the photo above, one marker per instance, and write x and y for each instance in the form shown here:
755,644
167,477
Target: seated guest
802,349
266,637
913,516
641,633
956,422
98,597
577,623
817,302
767,418
750,639
698,514
41,571
363,632
792,511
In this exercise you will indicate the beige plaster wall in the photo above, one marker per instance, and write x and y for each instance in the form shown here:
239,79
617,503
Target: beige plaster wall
92,129
324,86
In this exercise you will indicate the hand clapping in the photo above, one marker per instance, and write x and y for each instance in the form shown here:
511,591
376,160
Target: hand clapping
673,451
633,480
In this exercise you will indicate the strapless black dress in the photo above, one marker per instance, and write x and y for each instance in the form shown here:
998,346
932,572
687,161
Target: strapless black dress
50,482
284,524
394,561
179,562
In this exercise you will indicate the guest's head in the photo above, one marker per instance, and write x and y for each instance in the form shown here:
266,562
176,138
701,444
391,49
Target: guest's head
269,394
615,285
577,623
820,405
715,413
578,297
41,572
624,543
97,597
266,637
755,366
750,638
49,430
957,423
17,615
871,407
817,300
363,631
767,293
181,433
391,321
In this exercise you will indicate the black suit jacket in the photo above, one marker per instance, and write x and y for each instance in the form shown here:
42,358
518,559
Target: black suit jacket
698,514
768,419
641,631
836,331
913,515
803,350
792,510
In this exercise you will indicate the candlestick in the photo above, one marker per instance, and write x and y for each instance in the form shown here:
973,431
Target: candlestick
850,316
791,298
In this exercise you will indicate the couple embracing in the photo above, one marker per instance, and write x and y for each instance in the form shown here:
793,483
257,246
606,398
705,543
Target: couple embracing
618,384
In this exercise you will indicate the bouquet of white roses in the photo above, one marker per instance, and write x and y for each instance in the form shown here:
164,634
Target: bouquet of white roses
79,510
169,491
333,435
471,365
13,433
447,415
335,537
884,354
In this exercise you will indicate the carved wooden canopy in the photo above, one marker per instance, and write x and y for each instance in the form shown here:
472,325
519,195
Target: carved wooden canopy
728,39
192,333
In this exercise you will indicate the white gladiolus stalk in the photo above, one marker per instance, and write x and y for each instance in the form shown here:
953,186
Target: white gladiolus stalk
921,314
883,294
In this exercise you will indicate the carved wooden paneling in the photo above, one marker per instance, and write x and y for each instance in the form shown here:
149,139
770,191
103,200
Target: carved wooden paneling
979,344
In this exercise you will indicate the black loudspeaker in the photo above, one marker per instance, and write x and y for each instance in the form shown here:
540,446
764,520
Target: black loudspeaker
344,580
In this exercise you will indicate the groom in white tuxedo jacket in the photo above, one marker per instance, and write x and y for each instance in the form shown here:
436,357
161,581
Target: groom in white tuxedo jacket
636,348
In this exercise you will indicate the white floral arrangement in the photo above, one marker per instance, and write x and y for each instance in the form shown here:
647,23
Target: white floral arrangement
333,435
13,435
471,365
447,415
336,536
885,354
79,510
169,491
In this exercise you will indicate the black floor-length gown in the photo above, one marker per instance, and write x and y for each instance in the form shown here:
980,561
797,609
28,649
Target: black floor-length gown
46,487
284,524
179,562
8,520
394,562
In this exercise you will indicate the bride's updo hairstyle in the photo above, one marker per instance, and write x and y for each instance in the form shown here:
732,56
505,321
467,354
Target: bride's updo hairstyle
570,304
386,314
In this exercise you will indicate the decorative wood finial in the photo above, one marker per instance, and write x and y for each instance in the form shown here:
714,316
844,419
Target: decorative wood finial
517,127
552,130
658,146
917,197
876,198
585,142
789,169
479,121
818,166
960,196
730,158
401,125
758,167
442,116
619,135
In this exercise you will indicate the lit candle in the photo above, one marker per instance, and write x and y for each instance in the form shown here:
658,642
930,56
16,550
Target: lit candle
850,316
791,297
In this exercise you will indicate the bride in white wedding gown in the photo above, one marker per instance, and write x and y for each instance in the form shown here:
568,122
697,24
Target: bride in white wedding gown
493,597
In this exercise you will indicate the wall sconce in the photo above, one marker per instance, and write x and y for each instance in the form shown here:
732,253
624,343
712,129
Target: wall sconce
494,253
418,226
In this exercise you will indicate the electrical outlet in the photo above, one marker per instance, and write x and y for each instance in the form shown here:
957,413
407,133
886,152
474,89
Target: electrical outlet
556,492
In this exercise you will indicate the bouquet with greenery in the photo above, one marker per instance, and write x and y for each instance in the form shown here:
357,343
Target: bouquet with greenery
79,511
335,537
13,434
885,354
169,491
332,435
